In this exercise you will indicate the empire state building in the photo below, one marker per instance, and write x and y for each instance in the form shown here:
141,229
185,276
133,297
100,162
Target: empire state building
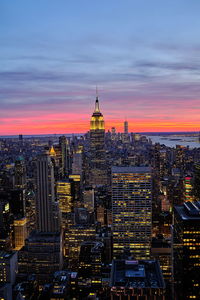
98,173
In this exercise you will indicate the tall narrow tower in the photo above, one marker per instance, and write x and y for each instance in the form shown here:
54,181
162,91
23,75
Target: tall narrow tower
47,213
98,174
65,156
19,173
126,127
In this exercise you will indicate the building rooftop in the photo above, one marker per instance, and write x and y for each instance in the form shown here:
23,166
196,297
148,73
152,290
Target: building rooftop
136,274
44,237
7,255
92,245
189,210
116,169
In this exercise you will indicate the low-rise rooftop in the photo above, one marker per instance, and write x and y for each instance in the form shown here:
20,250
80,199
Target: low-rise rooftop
189,210
131,169
6,255
136,274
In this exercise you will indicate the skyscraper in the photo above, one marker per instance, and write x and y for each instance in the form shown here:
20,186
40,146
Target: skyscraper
98,173
47,216
77,164
126,127
42,252
19,173
132,211
196,190
186,256
64,195
65,155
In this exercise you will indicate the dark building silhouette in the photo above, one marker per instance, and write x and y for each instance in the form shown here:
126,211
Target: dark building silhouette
47,212
186,250
133,279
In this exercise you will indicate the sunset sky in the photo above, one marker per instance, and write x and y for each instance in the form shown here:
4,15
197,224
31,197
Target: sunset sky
144,56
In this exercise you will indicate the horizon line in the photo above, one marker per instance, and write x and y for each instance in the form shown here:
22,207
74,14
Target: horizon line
83,133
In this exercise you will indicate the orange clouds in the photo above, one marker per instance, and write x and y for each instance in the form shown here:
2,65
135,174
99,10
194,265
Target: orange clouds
70,124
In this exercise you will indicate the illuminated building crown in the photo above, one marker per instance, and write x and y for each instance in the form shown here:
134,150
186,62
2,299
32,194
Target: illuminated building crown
97,121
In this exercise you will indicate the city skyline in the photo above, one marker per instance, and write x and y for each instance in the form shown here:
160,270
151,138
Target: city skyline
144,58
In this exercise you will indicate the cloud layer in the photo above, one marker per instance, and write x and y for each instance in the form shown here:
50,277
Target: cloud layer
146,65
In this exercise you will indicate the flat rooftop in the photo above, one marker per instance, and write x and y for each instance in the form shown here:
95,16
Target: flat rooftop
7,255
44,237
189,210
131,169
136,274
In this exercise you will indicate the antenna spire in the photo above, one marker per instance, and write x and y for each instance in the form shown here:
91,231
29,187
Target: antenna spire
97,101
97,92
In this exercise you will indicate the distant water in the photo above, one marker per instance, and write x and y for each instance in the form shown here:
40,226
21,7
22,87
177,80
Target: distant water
172,141
168,139
40,135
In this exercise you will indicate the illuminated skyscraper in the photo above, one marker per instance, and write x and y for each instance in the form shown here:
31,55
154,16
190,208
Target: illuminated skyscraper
132,210
98,173
20,233
64,195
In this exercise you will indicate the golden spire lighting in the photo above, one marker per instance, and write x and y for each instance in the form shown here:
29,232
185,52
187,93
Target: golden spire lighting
97,121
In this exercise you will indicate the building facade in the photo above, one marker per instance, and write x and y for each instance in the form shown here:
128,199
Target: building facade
132,211
47,215
98,173
186,250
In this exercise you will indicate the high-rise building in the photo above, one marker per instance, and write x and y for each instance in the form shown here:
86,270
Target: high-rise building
188,189
113,134
65,200
186,250
113,130
8,272
42,252
98,172
41,255
196,190
20,233
17,202
6,291
77,164
65,155
161,250
132,211
19,173
126,127
64,195
88,199
90,263
20,137
5,219
47,214
81,229
8,267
